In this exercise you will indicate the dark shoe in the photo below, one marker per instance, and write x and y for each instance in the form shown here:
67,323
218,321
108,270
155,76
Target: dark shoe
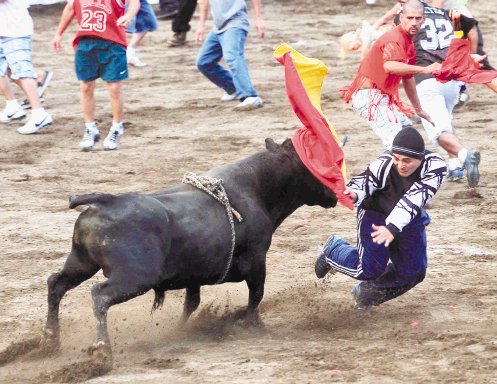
167,15
177,39
471,164
321,268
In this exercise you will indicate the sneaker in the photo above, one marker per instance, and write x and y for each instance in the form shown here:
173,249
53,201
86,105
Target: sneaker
229,97
44,83
112,140
34,126
251,102
471,164
25,104
177,39
455,174
136,62
463,99
90,137
322,267
6,116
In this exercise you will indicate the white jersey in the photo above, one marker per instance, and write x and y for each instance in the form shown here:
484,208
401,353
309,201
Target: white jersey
15,19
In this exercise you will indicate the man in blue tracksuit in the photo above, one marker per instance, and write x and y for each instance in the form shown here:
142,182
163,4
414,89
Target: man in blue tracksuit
390,256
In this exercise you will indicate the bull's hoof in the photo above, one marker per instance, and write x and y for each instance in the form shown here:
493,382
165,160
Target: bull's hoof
49,343
102,352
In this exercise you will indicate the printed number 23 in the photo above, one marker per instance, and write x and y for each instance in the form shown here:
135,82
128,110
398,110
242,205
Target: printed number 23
438,34
93,21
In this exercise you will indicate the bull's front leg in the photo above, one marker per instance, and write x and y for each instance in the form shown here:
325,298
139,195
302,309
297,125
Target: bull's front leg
255,284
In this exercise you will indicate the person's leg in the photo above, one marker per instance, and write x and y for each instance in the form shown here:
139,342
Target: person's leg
168,9
87,89
114,71
233,45
208,63
438,100
407,267
365,261
385,120
181,22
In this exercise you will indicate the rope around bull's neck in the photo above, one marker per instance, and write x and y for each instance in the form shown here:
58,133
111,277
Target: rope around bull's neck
214,187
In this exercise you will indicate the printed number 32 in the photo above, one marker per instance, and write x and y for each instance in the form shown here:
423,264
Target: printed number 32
438,34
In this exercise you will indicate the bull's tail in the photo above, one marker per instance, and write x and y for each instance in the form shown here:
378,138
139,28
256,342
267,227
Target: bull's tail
91,198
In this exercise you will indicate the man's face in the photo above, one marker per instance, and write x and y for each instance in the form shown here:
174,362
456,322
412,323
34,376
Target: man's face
405,165
411,20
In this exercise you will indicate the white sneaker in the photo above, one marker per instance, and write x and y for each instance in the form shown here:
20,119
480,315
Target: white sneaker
112,140
35,125
90,137
136,62
18,114
229,97
249,103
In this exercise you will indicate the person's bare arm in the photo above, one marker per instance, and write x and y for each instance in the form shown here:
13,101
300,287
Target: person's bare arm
65,20
259,24
203,6
412,95
388,16
133,8
402,69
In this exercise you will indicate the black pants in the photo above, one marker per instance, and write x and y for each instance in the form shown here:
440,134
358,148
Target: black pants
181,22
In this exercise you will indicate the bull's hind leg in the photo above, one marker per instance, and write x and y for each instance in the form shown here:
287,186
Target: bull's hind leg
76,270
192,301
117,289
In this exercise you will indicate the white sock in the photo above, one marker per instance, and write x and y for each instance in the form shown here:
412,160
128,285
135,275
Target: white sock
12,105
118,127
37,113
91,126
130,52
454,163
462,154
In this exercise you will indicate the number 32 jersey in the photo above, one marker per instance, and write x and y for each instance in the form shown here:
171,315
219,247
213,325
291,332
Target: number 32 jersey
433,40
98,18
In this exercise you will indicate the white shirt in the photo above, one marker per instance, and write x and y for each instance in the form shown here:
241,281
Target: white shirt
15,20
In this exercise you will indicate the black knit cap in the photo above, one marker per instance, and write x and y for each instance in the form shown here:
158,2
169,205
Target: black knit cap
408,142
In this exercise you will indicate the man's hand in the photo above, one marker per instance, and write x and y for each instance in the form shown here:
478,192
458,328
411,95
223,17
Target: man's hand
199,34
57,43
381,235
124,21
349,191
421,113
433,68
260,28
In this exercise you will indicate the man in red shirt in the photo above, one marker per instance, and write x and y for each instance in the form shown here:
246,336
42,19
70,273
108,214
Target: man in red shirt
100,45
391,59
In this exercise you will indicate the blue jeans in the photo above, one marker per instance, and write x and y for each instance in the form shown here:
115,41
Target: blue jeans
386,272
229,45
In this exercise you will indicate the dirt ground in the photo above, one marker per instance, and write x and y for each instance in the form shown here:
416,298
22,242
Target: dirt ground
443,331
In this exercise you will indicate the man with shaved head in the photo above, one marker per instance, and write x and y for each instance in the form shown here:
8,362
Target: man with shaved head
391,59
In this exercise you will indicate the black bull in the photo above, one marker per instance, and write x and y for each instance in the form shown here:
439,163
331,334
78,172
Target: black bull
181,237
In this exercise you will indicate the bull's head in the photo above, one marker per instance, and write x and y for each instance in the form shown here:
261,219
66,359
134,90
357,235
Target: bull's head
311,191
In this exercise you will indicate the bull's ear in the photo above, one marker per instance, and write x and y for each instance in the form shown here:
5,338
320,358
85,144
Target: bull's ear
271,145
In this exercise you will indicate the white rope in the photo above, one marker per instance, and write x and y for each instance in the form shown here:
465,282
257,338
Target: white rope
214,187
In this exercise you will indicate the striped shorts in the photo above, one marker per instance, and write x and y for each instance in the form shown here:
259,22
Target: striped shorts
15,53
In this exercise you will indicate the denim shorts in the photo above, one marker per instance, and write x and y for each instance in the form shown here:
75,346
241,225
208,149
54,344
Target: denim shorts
96,58
144,21
15,53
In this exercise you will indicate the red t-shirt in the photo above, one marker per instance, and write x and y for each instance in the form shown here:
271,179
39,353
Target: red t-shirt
393,45
98,18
